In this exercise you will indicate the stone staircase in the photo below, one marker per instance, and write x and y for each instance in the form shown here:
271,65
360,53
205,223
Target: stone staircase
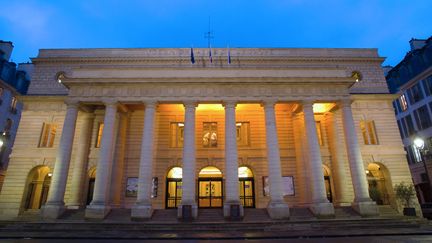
30,215
301,214
165,216
346,213
386,211
210,215
256,215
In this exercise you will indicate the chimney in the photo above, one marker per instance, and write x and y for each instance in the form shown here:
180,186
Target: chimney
417,44
6,48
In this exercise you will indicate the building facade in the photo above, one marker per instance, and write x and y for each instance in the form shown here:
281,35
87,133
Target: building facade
147,129
411,80
14,81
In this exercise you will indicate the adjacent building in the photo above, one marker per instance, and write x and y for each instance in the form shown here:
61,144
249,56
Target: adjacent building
159,129
13,83
411,80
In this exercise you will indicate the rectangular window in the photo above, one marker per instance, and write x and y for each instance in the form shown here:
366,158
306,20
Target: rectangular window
415,93
209,135
99,135
422,118
243,133
400,129
410,125
13,105
403,103
47,135
319,133
368,132
427,83
176,134
416,153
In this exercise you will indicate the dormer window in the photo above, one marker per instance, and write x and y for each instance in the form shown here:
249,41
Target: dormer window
357,76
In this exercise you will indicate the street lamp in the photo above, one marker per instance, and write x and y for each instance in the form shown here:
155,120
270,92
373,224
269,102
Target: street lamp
419,143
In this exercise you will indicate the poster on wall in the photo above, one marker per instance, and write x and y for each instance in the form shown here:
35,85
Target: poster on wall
131,187
154,187
288,185
266,187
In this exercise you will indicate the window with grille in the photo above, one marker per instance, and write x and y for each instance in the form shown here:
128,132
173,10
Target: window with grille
48,135
176,134
368,131
99,135
243,133
210,137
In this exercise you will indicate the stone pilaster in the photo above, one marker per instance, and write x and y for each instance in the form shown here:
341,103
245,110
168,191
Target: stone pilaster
143,206
99,207
277,208
81,161
362,202
189,157
232,197
320,205
54,206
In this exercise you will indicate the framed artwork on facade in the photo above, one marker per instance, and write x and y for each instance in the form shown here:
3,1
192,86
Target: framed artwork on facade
288,185
131,186
266,187
154,187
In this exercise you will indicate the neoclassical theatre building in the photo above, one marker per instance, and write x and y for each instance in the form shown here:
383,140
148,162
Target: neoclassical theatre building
147,129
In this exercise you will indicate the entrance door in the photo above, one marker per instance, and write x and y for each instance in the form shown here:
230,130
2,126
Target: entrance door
247,195
174,192
328,188
90,190
210,193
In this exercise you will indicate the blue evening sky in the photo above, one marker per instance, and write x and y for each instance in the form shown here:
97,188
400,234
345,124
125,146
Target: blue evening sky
384,24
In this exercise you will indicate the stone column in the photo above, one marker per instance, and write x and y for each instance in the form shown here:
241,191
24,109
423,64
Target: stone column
188,180
99,207
362,202
143,206
320,205
232,197
277,208
336,144
54,206
81,161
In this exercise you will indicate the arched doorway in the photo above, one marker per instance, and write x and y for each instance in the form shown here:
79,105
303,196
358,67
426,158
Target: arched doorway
246,187
327,183
377,181
37,187
91,184
174,187
210,188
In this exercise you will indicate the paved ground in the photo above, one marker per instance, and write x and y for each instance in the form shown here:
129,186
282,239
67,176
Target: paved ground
368,239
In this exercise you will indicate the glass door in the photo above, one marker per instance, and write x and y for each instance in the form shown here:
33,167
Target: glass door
247,192
210,193
173,193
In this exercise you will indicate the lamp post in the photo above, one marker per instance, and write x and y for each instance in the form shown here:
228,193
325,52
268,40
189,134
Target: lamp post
419,143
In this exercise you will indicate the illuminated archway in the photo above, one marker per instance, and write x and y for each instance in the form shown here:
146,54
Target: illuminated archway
327,183
246,187
379,183
173,187
91,184
37,187
210,189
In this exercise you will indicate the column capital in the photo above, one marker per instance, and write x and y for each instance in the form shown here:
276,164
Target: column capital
344,103
150,103
229,104
307,103
190,103
110,102
71,102
267,103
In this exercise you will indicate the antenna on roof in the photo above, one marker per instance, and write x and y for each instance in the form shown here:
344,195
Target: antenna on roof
209,34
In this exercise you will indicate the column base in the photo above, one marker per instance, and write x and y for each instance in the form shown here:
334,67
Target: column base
278,210
322,210
366,209
191,212
233,211
52,211
141,212
97,211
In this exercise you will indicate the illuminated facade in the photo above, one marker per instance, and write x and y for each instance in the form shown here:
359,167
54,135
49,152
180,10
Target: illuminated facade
148,130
